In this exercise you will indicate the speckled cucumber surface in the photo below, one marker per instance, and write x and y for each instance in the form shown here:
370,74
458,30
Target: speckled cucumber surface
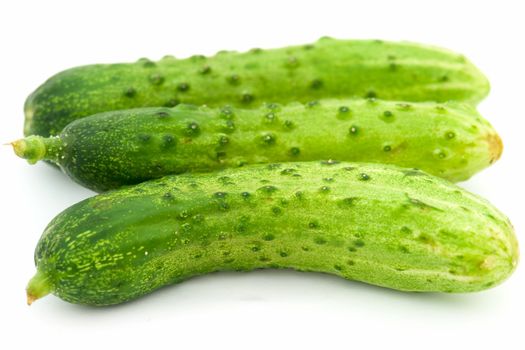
125,147
326,68
389,226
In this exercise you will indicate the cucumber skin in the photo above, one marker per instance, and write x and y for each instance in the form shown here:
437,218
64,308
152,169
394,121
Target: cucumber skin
328,68
389,226
119,148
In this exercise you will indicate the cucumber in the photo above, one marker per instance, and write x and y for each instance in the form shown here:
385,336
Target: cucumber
381,224
125,147
328,68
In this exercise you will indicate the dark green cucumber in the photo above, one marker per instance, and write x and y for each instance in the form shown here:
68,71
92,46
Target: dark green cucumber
389,226
326,69
118,148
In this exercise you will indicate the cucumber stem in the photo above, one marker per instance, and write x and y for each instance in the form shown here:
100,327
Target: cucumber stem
35,148
37,287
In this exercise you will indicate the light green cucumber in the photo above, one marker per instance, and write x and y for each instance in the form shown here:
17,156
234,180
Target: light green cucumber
384,225
118,148
328,68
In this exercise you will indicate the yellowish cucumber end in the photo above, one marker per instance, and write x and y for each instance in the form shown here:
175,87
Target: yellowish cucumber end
495,146
37,287
32,148
514,251
505,263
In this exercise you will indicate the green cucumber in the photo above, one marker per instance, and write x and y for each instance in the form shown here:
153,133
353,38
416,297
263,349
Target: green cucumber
326,69
125,147
381,224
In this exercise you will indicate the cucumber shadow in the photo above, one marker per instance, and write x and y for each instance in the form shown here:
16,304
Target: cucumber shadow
273,288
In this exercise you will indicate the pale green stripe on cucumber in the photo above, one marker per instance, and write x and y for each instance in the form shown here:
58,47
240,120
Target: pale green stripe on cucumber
118,148
388,226
327,68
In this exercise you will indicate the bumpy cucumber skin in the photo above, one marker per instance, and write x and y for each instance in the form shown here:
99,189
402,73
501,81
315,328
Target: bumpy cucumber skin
327,68
389,226
118,148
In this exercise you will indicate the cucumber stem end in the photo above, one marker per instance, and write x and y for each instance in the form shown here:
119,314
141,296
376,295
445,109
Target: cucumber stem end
33,148
37,287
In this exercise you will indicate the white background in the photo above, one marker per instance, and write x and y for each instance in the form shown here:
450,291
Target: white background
263,309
